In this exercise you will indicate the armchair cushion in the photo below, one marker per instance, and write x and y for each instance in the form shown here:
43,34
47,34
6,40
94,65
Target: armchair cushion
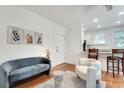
86,61
82,71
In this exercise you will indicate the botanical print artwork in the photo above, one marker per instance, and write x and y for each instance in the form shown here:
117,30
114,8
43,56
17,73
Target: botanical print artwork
18,35
38,38
29,37
15,35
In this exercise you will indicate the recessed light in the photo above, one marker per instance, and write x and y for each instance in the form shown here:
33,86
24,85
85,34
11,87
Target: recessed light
95,20
121,13
98,26
118,22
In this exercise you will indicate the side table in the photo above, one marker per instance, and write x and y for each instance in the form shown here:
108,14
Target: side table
58,77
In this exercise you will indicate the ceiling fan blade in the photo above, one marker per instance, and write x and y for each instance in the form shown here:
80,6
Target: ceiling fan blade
108,7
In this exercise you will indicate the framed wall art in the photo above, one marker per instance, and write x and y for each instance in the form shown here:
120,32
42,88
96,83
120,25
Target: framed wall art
14,35
38,38
29,37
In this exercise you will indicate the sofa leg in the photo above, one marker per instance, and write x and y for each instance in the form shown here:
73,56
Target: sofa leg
47,72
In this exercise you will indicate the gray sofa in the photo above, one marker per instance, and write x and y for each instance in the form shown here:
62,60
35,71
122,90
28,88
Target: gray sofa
19,69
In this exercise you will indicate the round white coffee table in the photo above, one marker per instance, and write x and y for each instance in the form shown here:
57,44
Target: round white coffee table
58,76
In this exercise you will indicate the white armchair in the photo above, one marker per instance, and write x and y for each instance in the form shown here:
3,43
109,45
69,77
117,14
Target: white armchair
89,70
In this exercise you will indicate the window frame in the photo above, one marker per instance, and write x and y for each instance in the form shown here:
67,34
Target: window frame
94,34
114,36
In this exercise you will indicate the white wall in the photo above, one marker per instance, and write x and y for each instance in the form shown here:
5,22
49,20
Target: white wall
73,42
19,17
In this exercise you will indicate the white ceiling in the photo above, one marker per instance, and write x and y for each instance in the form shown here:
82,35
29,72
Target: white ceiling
72,14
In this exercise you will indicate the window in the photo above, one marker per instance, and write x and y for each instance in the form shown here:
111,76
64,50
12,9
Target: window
119,39
99,38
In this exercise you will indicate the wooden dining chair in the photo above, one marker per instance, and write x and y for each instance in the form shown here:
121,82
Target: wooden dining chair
93,53
115,59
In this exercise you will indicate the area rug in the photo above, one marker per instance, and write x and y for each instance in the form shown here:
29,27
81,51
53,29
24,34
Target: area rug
70,80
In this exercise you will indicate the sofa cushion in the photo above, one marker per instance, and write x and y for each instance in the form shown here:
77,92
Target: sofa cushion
25,72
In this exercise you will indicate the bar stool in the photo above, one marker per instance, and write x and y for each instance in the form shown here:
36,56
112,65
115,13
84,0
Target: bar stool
115,60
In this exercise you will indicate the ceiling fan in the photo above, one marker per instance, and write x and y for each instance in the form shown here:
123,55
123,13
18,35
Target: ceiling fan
108,7
89,7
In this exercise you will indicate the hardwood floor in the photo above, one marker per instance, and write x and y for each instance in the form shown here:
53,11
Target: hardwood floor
117,82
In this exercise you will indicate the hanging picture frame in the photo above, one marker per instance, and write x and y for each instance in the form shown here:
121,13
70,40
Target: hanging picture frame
38,38
14,35
29,37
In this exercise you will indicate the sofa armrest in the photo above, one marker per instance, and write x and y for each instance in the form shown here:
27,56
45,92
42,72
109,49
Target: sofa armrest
3,78
91,77
46,61
97,65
